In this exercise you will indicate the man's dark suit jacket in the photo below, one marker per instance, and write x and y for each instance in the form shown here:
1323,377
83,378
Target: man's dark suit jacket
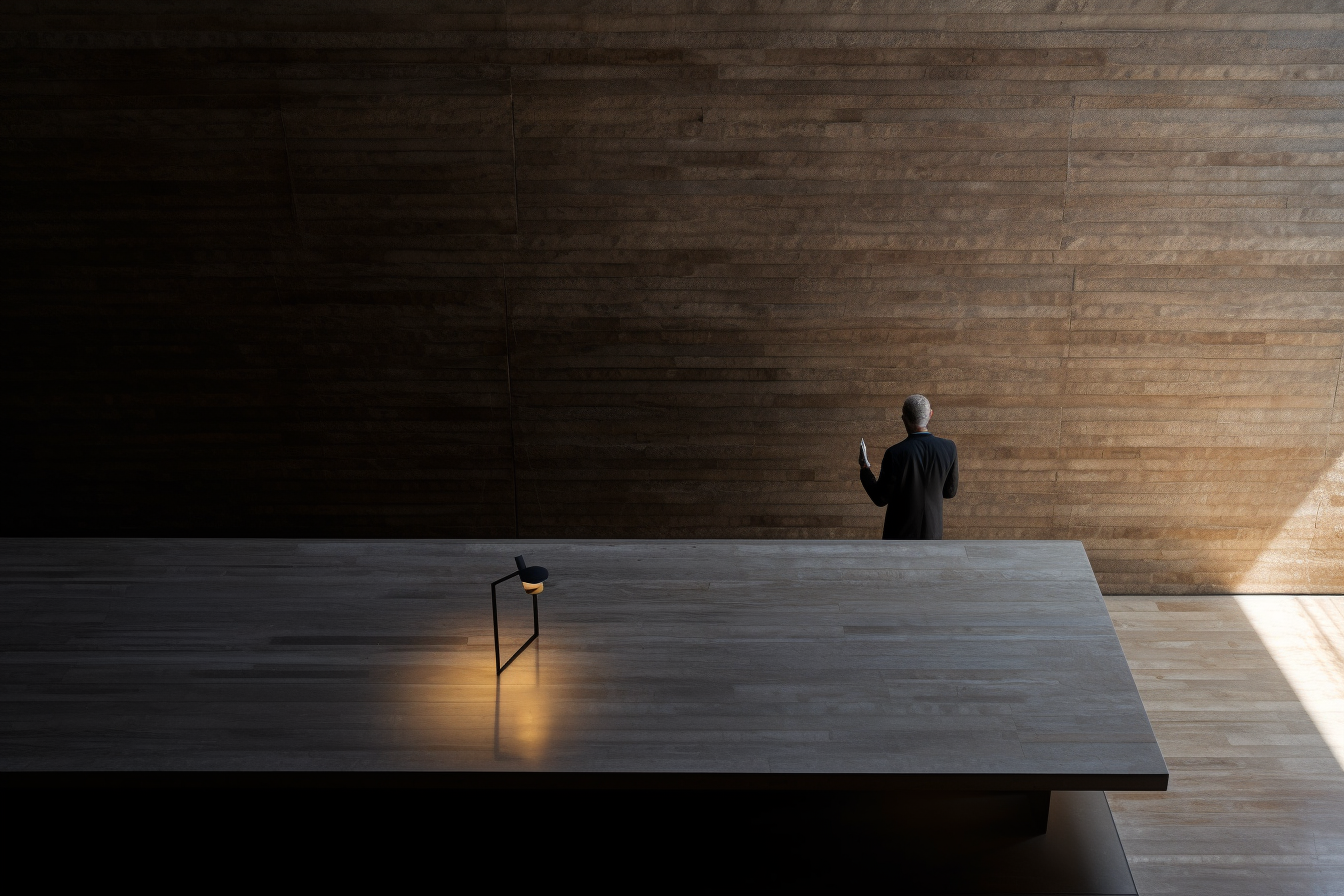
917,475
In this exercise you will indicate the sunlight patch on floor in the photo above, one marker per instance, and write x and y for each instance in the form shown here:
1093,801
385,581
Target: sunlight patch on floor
1305,636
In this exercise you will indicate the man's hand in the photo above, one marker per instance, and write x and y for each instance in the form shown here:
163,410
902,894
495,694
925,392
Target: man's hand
863,455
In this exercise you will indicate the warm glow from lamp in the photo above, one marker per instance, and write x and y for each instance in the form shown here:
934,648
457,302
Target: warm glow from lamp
531,576
481,719
1305,636
523,719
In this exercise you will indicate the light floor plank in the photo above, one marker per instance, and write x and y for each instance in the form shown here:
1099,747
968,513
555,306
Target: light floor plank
1256,798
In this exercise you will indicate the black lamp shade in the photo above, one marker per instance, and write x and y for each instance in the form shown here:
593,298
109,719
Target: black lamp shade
531,575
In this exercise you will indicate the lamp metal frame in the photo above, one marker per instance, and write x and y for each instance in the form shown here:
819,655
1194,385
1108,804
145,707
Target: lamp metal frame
494,611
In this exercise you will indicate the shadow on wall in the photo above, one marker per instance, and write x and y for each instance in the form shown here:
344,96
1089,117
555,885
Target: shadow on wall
1164,520
1258,521
1303,556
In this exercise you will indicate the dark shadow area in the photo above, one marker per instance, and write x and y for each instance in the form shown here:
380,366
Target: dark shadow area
972,842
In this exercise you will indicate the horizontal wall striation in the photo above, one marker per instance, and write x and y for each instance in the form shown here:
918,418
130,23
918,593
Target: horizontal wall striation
651,271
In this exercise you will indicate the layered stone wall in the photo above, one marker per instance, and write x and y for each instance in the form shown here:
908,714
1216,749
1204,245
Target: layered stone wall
652,270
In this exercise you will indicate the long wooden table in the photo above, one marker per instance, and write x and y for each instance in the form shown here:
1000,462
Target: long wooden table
917,670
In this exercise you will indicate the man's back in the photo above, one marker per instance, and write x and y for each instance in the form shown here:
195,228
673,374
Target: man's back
917,474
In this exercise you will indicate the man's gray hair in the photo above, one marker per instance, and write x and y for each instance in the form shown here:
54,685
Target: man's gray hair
916,410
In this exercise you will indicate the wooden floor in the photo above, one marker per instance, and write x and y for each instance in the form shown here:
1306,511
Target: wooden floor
1256,799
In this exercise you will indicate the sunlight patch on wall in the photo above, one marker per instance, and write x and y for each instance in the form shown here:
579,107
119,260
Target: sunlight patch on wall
1305,636
1285,565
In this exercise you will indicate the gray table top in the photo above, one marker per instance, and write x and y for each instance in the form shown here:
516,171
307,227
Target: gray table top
745,663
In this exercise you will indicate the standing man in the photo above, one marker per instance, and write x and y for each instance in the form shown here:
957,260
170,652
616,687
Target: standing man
916,476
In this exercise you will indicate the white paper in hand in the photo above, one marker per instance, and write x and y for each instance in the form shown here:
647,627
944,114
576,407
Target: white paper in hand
863,452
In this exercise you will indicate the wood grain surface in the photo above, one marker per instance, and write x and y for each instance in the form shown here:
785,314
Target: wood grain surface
619,269
981,665
1256,802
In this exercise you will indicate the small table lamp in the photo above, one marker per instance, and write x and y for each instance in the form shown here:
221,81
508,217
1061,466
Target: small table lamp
532,577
